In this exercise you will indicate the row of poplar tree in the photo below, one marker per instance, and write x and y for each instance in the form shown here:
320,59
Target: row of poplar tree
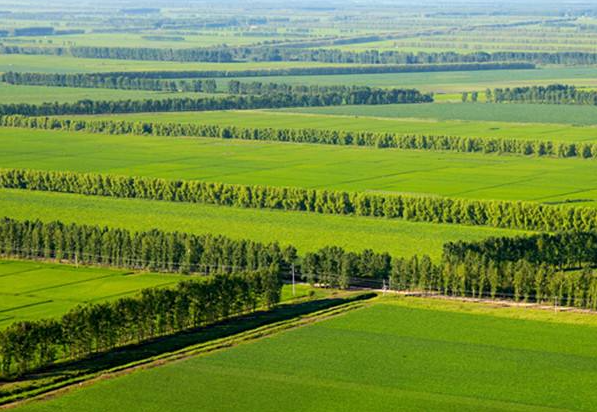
584,150
552,94
227,102
103,82
154,312
322,55
90,78
436,209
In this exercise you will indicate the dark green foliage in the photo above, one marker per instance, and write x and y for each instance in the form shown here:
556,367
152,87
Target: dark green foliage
153,250
340,96
504,214
100,327
552,94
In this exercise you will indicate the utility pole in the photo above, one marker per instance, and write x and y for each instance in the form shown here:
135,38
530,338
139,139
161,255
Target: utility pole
293,282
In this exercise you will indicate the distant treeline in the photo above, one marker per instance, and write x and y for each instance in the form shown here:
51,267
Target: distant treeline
99,327
435,209
122,82
350,94
584,150
552,94
68,79
339,96
322,55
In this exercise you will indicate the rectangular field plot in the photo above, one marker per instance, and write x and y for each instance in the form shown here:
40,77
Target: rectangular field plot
299,118
306,231
465,175
31,290
394,355
493,112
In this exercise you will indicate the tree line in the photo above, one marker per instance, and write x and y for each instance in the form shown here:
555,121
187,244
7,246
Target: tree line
551,94
225,54
237,102
103,82
153,250
435,209
287,71
100,327
465,144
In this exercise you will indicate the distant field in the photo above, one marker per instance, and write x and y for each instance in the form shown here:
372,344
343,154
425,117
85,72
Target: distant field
410,355
502,112
250,118
306,231
41,94
56,64
304,165
449,82
35,290
31,290
138,40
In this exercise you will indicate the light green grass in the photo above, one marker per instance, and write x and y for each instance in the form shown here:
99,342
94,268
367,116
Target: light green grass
502,112
34,290
41,94
288,118
409,356
306,231
304,165
57,64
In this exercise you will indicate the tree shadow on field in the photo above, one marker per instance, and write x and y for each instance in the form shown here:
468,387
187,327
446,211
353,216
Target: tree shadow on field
64,371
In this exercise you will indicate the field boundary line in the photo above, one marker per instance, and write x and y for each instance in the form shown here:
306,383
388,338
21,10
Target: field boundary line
201,349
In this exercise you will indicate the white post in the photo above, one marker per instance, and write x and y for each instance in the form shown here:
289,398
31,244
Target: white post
293,282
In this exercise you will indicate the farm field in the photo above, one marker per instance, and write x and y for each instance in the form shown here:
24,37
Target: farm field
445,355
502,112
450,82
43,94
398,237
467,175
34,290
66,64
286,118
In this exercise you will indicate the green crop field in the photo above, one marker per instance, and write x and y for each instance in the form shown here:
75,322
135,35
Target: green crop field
256,118
304,165
65,64
409,354
41,94
515,113
449,82
305,231
34,290
31,290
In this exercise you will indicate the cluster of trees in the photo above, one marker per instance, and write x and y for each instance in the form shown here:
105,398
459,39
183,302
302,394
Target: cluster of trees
121,82
554,268
504,214
365,93
335,267
237,102
100,327
565,250
552,94
585,150
153,250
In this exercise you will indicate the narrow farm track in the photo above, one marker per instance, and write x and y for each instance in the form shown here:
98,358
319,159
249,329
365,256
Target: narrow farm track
50,391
